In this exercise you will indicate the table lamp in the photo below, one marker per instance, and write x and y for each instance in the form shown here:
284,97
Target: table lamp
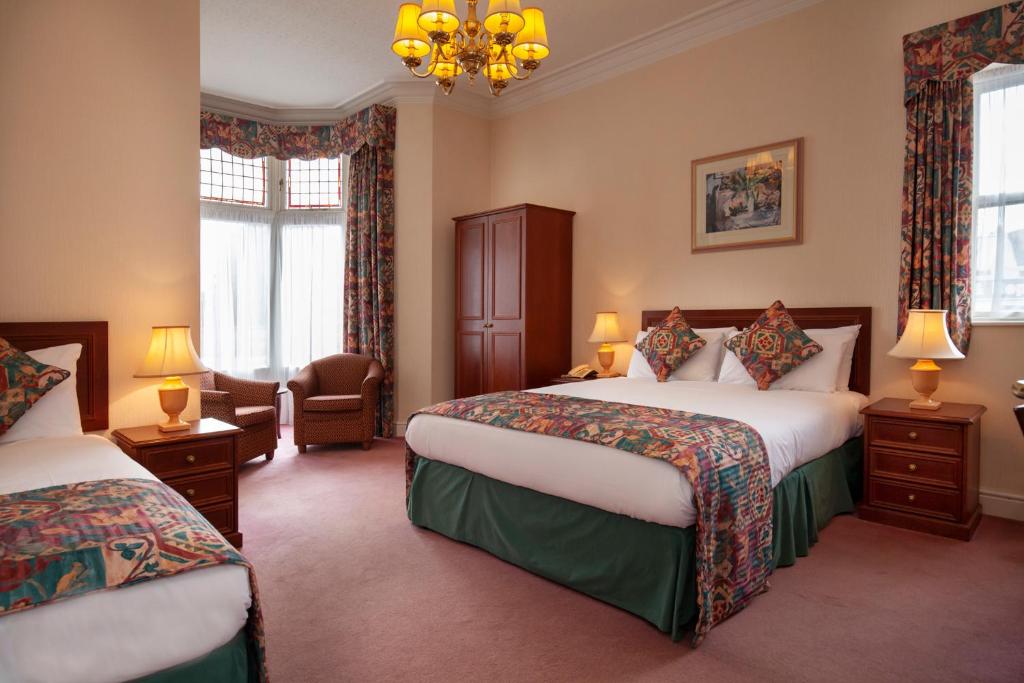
606,331
170,356
925,339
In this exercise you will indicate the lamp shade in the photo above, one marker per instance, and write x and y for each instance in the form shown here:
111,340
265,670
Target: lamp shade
410,40
926,337
438,14
606,328
532,41
501,66
171,353
504,16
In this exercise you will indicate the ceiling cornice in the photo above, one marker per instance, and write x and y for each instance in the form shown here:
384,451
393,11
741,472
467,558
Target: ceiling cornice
711,23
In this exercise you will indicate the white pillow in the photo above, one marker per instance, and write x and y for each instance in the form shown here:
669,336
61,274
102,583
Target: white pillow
822,372
700,367
56,413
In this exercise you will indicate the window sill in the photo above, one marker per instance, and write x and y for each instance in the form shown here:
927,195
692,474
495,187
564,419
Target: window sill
998,323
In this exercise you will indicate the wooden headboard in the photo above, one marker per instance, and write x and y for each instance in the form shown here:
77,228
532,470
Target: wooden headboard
807,318
91,378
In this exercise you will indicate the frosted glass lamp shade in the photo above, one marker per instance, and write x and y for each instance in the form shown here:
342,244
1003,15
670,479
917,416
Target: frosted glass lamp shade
926,336
532,41
504,16
410,40
171,354
606,329
438,14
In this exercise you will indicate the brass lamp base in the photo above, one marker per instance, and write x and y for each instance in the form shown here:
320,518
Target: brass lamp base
924,375
173,400
606,356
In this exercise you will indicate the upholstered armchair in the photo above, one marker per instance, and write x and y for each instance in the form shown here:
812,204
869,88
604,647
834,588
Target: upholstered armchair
245,403
336,400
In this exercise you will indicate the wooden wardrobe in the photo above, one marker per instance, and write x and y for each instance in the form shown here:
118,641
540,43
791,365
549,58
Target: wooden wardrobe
513,298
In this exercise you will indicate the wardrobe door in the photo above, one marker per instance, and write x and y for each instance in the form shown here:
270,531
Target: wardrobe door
470,306
504,301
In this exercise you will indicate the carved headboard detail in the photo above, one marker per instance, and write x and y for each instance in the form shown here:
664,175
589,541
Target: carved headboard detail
91,377
807,318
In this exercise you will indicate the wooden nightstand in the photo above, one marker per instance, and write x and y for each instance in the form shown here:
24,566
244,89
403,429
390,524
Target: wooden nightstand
921,467
199,464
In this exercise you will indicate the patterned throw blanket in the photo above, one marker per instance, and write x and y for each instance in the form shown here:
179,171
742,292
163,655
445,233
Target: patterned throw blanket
724,460
62,541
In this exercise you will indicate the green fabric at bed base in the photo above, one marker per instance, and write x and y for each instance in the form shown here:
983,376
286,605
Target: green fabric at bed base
641,567
232,662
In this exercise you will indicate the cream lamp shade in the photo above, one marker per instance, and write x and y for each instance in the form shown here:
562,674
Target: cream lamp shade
606,332
925,338
532,41
410,40
171,355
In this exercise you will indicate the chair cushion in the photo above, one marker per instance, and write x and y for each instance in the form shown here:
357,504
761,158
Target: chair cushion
333,403
247,416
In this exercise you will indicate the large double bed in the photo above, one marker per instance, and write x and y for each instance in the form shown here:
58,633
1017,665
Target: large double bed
185,627
620,527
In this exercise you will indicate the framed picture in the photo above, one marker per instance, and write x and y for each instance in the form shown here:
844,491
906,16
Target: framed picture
749,198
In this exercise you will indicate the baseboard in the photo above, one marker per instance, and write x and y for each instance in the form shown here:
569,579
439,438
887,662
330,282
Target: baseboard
400,428
998,504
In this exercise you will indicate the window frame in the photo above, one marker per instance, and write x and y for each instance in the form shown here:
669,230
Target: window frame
999,77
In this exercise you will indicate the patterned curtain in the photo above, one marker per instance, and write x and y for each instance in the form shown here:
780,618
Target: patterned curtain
368,138
370,264
935,259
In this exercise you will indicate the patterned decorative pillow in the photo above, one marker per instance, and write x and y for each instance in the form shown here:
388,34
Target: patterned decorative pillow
772,346
23,381
669,344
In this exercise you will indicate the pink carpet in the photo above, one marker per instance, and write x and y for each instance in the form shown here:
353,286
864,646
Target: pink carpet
352,591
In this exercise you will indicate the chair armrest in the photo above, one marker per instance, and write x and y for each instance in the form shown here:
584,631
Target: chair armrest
248,392
303,385
217,404
370,389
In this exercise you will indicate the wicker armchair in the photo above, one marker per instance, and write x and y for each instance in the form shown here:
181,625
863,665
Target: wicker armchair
245,403
336,400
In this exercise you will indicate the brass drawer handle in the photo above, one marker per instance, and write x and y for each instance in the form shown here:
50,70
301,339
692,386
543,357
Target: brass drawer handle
191,492
910,497
912,467
912,436
190,459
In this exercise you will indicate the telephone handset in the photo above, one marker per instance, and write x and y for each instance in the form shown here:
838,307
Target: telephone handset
582,372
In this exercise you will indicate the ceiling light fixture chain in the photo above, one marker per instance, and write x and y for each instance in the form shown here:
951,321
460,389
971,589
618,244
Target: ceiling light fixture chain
508,45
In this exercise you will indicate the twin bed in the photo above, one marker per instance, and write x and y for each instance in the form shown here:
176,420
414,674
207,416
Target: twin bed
619,527
186,627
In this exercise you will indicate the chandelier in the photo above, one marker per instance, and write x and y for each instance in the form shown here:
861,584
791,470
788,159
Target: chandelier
509,44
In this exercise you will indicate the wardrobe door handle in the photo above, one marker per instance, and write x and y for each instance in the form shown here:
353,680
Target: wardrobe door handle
488,324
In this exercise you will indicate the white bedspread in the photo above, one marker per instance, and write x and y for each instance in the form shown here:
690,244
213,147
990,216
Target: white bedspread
118,634
797,427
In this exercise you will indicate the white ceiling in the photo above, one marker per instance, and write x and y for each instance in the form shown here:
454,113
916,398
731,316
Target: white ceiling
322,53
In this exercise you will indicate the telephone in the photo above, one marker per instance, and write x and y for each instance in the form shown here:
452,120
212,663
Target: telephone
582,372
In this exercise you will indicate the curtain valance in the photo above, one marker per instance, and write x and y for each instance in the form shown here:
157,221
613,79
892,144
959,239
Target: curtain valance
373,127
957,49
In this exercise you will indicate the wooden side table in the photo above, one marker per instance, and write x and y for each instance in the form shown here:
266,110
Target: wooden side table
921,467
199,464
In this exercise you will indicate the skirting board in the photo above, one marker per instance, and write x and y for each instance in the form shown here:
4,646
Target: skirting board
998,504
400,428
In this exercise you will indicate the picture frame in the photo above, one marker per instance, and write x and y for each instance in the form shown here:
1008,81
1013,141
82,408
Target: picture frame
748,198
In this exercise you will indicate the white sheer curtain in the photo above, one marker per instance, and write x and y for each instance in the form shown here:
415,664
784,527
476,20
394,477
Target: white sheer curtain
271,291
998,240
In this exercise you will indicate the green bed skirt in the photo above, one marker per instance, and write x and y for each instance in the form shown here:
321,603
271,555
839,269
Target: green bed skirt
642,567
232,662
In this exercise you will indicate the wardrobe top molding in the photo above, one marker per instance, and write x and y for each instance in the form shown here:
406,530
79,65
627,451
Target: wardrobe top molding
514,207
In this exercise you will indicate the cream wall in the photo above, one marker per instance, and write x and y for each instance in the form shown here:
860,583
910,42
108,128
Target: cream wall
99,215
618,153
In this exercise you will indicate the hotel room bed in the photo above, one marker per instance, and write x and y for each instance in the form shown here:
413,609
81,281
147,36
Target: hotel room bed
619,527
187,627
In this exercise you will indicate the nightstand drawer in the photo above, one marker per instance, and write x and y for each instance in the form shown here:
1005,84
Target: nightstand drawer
915,467
219,487
186,458
221,516
915,435
945,504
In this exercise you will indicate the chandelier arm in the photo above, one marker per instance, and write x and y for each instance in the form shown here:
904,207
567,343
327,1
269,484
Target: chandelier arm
430,67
